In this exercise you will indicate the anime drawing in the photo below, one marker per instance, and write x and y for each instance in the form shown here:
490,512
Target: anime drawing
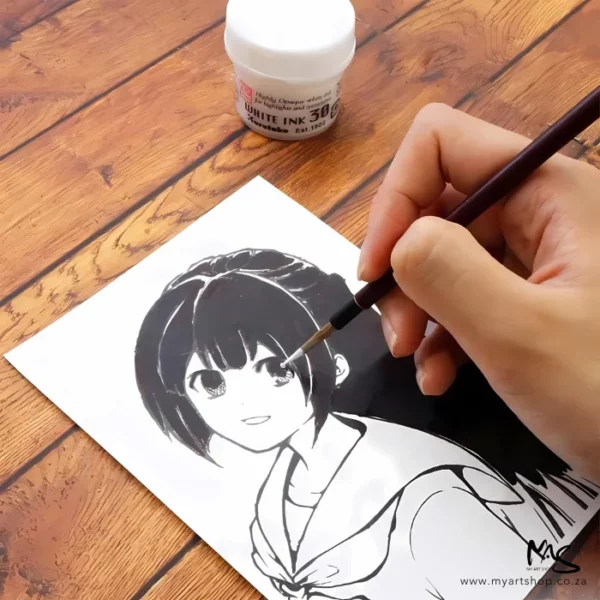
367,474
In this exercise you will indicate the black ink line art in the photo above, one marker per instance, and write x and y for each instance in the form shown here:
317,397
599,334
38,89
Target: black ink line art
367,472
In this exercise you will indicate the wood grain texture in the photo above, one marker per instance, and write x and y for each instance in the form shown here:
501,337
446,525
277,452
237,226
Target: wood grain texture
69,514
99,163
350,217
38,91
86,49
593,155
536,92
18,15
215,580
373,17
362,138
28,422
436,54
102,43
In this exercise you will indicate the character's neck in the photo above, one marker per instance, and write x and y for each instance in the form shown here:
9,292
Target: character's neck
322,457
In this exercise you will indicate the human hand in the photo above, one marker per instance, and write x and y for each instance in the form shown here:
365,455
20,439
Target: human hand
518,292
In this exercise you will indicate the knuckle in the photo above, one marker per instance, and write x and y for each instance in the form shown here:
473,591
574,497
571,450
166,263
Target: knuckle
433,113
414,250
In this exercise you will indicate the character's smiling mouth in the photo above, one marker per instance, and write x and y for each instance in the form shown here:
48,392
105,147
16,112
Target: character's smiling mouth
256,420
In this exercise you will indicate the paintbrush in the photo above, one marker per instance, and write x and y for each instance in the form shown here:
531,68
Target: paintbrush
507,179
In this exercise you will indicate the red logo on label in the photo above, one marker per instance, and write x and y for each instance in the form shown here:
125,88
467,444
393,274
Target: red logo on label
247,92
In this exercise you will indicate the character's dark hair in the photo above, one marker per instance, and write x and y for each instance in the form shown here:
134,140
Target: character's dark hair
278,300
221,309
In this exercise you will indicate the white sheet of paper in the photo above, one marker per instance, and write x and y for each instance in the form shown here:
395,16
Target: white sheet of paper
407,514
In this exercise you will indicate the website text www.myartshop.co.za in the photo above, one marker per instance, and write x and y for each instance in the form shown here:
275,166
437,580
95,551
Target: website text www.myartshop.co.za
524,581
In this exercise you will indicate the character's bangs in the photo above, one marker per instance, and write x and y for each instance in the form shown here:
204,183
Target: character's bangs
237,312
171,368
228,351
220,311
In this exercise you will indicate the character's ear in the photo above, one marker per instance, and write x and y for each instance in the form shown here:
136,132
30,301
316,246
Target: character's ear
341,369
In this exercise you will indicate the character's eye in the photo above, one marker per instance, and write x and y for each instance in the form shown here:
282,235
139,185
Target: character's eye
272,367
211,382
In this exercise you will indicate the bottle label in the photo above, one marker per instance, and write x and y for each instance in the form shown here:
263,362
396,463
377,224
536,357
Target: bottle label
285,116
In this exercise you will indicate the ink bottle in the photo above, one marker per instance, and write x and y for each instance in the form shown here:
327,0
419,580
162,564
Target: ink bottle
289,59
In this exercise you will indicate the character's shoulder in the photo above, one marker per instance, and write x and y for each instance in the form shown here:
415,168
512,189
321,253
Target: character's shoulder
411,448
372,426
381,432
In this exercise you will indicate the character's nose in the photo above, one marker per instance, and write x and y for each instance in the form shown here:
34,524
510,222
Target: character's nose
254,390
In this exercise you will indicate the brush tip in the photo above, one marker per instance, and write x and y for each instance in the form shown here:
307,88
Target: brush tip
295,356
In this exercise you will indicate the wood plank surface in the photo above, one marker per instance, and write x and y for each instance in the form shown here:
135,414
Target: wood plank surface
216,579
536,92
434,54
67,60
24,412
62,539
18,15
593,155
350,217
96,165
102,43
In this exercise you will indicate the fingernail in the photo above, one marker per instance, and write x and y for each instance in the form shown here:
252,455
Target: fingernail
361,269
421,380
389,334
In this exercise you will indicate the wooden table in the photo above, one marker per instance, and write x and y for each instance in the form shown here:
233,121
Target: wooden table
118,129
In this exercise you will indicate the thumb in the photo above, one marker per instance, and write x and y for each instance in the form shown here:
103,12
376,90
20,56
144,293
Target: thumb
442,268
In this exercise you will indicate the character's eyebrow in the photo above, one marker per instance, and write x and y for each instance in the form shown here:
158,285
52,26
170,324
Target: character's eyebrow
258,366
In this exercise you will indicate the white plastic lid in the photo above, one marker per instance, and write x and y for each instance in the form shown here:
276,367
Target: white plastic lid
288,39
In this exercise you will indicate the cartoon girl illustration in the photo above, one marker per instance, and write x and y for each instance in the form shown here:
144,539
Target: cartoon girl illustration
354,506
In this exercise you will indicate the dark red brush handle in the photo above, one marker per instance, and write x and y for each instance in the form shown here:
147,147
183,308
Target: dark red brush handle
507,179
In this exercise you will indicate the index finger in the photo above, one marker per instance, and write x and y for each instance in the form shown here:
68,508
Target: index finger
442,146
